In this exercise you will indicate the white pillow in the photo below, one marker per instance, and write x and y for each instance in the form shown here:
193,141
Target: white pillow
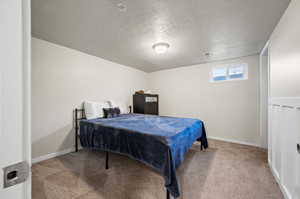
94,109
122,106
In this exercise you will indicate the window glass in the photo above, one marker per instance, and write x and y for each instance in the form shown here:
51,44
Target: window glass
236,72
230,72
219,74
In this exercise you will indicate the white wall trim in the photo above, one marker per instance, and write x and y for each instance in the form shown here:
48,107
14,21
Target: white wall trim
285,98
289,101
262,107
266,46
52,155
234,141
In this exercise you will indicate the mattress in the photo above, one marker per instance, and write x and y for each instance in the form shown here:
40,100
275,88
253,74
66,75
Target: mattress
157,141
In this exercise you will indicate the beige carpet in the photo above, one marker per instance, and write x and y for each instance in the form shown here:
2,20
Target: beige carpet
224,171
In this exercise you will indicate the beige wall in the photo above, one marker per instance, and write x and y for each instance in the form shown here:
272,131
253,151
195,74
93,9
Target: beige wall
229,109
61,79
284,53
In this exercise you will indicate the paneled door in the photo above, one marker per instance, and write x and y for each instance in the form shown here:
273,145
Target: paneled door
15,144
289,152
276,127
285,144
297,188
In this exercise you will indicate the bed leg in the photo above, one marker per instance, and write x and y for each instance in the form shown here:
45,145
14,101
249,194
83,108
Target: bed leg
76,145
76,130
168,194
106,160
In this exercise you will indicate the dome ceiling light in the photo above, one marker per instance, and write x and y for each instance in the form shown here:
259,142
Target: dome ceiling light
122,7
207,54
161,48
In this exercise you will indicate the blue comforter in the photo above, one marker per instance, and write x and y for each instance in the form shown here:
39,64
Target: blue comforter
160,142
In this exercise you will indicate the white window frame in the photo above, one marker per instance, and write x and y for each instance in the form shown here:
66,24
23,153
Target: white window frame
228,66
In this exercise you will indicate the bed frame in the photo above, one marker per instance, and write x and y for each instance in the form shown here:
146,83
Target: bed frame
79,115
77,119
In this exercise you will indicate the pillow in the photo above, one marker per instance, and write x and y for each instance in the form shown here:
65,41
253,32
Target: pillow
94,109
121,105
111,112
117,110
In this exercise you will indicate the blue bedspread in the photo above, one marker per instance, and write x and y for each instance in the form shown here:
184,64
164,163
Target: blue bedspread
159,142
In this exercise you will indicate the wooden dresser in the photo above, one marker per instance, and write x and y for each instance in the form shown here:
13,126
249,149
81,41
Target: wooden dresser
145,104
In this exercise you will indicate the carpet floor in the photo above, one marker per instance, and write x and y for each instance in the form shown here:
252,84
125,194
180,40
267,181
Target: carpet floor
224,171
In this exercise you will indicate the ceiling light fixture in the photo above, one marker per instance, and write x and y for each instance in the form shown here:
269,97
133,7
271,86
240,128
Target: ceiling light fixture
161,48
207,54
122,7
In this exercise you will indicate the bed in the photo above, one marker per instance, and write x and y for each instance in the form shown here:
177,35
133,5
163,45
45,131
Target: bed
157,141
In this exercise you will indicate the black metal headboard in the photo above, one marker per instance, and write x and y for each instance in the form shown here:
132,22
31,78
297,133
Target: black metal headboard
79,115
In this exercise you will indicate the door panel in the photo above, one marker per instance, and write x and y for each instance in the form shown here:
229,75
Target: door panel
285,134
270,130
288,161
276,140
12,107
297,187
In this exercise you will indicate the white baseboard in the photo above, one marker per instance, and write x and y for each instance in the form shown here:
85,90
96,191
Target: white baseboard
234,141
51,155
282,188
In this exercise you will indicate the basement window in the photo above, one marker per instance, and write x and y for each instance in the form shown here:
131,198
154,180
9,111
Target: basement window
229,73
219,74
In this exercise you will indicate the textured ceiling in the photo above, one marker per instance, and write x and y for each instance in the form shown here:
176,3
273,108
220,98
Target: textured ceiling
124,31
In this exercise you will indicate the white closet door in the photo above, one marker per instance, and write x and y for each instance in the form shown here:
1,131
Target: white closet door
274,134
284,128
270,136
297,187
15,151
276,140
289,138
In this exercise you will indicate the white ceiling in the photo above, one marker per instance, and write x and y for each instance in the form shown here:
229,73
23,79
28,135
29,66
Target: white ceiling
224,28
